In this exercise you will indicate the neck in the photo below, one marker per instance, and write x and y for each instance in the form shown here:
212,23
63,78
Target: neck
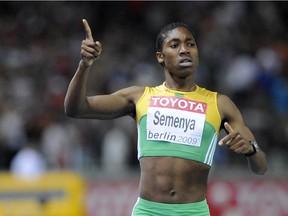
184,83
184,88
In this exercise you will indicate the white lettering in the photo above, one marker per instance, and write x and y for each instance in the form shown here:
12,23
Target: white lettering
199,107
164,101
155,100
173,101
178,103
183,104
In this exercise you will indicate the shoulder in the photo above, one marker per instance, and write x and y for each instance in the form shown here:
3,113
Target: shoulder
223,99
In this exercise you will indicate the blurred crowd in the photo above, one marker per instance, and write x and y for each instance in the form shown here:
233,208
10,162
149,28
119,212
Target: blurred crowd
243,53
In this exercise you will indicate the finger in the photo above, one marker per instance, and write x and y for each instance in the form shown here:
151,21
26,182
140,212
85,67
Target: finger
86,54
95,45
224,140
237,143
227,139
89,49
87,30
228,127
241,148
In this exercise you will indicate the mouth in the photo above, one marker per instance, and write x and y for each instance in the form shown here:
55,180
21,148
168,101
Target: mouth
186,62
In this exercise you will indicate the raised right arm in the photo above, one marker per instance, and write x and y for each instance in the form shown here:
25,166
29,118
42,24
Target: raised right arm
78,105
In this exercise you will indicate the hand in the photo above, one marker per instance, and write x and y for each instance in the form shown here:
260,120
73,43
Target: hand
90,50
235,141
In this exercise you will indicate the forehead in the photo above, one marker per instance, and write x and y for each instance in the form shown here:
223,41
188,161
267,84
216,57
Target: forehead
179,33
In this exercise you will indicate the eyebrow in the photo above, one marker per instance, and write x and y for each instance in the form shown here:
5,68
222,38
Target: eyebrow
177,40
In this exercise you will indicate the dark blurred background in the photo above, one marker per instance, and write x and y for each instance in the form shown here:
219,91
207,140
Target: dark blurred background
243,53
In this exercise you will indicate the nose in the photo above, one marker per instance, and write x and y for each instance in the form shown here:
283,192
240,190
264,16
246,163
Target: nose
184,49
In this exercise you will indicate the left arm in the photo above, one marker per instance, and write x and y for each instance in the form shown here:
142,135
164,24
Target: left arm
239,135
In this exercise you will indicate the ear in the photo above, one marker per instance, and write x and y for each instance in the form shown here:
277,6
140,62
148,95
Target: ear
159,57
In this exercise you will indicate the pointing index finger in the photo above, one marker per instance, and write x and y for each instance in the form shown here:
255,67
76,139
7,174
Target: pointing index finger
87,30
228,127
230,130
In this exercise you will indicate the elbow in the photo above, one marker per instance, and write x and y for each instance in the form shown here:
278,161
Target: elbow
73,111
70,111
260,165
260,170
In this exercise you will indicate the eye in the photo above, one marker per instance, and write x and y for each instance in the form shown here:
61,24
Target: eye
174,45
191,44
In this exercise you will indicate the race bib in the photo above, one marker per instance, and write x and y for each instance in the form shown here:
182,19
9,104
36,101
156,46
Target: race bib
176,120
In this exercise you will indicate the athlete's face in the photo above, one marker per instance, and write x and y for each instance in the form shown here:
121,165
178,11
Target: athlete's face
180,53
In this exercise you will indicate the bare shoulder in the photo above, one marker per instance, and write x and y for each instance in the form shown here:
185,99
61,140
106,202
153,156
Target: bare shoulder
224,100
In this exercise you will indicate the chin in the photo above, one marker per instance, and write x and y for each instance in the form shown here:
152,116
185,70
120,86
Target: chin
186,72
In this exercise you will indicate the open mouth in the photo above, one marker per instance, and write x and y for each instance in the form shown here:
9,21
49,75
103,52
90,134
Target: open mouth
186,62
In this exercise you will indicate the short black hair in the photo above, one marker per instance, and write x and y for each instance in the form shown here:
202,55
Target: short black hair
164,31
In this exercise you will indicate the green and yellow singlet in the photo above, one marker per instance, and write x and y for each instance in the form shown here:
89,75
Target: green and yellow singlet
178,124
